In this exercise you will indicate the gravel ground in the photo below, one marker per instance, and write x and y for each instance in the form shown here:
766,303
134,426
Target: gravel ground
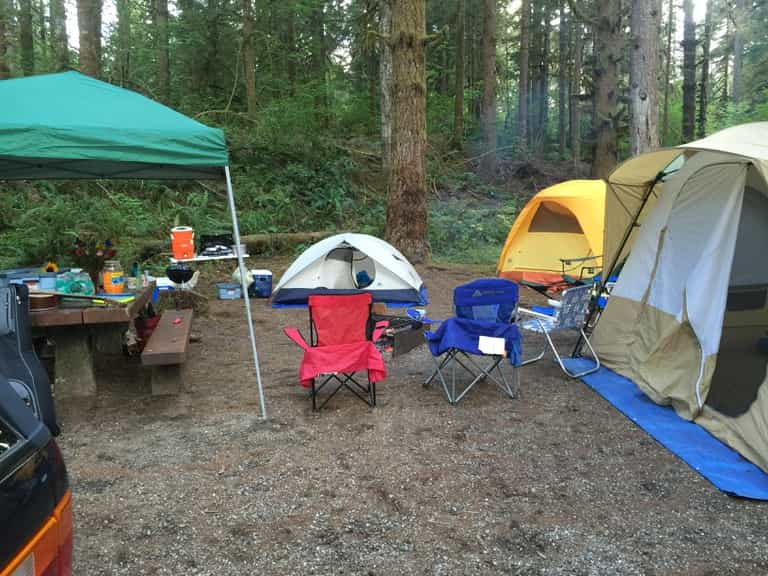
555,482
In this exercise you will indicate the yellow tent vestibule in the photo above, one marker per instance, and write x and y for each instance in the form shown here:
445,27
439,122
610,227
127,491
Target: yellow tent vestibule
559,232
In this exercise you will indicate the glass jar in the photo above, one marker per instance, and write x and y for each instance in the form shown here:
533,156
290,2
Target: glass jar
112,277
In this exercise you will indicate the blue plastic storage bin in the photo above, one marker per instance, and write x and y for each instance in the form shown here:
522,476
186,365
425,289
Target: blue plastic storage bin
229,291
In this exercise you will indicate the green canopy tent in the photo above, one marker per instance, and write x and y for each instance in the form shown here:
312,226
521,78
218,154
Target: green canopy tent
71,126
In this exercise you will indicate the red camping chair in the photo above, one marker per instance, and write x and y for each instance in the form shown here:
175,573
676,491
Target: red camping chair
341,343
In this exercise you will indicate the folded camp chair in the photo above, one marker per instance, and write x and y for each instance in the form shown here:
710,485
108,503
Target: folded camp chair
484,325
341,343
570,315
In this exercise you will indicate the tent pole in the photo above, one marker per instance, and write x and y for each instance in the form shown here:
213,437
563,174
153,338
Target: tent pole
627,233
244,284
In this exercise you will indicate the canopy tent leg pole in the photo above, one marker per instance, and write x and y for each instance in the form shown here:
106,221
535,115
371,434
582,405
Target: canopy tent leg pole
244,284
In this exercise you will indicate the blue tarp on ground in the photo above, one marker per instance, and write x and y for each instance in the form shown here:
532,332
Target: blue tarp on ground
718,463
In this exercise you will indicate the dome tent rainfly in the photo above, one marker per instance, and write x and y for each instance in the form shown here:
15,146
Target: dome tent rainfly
347,264
71,126
687,320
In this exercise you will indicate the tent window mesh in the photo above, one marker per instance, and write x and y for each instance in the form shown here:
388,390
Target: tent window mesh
553,217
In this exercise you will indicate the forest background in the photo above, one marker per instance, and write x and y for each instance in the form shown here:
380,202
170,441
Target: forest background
519,94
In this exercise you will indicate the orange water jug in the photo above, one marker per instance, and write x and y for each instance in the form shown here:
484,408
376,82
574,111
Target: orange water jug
183,242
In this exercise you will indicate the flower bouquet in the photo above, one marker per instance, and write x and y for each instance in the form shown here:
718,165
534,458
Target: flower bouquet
90,254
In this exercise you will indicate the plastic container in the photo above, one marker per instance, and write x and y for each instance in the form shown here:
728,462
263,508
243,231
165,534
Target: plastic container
47,282
183,242
112,277
229,291
261,287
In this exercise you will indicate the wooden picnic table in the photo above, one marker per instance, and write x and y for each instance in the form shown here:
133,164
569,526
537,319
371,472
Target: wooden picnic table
79,333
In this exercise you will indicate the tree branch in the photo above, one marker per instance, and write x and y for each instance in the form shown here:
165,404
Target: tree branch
431,39
580,13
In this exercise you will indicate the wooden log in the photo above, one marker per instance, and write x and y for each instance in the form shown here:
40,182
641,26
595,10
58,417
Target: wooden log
255,243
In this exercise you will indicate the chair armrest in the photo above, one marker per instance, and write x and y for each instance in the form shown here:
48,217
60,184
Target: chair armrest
378,331
568,261
535,314
295,335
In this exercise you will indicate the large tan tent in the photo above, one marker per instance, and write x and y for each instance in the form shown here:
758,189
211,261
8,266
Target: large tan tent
559,231
688,318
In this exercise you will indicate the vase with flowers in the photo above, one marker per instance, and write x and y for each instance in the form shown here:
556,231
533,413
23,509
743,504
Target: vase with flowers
90,253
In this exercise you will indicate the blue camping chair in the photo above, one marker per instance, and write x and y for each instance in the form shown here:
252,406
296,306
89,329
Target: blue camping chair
484,325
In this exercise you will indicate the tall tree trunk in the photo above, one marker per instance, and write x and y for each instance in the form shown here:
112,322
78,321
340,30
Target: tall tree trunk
643,76
210,70
609,44
725,63
89,24
26,38
444,76
59,41
163,57
578,49
488,160
476,105
668,70
534,82
458,102
704,84
290,52
407,194
562,82
5,69
738,48
689,72
43,36
319,59
522,87
249,59
123,41
543,126
385,75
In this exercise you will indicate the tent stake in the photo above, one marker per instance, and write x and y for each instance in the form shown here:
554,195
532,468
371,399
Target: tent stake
244,284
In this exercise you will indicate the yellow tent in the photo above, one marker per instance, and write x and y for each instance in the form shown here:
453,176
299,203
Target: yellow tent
560,231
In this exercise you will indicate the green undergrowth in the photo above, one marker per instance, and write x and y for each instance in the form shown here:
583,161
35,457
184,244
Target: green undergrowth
311,186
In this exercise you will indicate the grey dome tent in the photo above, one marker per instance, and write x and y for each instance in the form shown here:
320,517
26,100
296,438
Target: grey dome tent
71,126
351,263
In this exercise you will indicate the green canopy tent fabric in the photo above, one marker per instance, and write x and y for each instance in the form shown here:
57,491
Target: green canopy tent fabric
71,126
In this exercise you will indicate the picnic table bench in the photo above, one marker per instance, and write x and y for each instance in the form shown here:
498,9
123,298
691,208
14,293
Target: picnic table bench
166,350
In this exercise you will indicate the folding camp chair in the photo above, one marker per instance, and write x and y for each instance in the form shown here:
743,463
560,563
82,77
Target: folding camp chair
341,343
484,325
570,315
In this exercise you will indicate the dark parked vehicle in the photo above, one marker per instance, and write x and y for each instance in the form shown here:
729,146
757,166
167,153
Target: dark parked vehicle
35,501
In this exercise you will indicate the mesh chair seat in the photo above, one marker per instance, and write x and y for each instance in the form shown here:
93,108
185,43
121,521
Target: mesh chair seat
570,315
539,325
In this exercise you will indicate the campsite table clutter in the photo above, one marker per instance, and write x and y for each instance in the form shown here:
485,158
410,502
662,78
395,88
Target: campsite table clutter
82,332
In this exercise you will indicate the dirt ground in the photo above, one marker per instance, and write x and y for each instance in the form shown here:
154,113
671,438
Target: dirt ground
554,482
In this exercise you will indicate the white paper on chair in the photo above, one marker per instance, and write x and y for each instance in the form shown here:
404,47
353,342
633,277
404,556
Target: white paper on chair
493,346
